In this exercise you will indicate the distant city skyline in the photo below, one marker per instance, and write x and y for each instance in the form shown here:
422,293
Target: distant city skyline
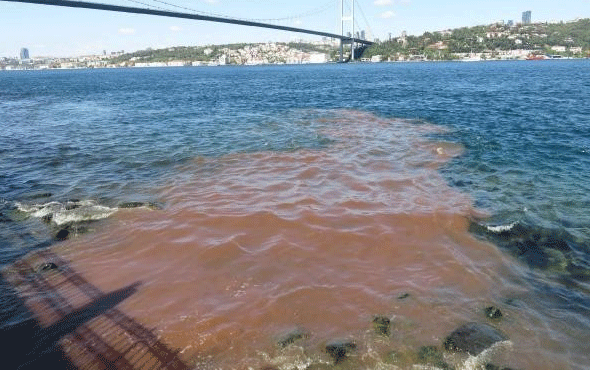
56,31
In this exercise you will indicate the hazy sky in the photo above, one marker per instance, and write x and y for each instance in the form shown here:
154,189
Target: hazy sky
57,31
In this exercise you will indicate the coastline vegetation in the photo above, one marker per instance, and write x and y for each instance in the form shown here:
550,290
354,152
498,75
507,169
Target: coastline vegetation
568,39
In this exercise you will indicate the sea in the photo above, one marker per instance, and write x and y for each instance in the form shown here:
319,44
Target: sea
268,212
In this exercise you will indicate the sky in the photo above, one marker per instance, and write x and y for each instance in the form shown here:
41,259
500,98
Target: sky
61,32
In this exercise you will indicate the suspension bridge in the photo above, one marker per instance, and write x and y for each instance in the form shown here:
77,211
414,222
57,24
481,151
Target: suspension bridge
346,36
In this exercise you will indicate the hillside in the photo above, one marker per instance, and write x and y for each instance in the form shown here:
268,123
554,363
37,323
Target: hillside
567,39
230,54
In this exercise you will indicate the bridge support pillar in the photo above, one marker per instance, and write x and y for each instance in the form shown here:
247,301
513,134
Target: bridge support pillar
347,24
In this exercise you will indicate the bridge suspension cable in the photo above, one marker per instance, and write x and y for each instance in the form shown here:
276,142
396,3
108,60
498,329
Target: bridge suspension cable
148,5
366,21
317,10
167,13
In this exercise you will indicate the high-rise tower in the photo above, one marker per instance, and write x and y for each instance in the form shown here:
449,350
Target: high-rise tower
526,17
24,54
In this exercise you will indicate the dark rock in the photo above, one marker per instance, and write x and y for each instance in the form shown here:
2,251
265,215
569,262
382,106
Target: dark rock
548,249
382,325
72,205
4,218
433,356
131,204
39,195
47,218
47,266
473,338
403,296
493,312
291,337
62,234
339,349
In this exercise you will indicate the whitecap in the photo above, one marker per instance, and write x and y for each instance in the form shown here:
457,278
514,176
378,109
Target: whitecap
479,361
69,212
501,228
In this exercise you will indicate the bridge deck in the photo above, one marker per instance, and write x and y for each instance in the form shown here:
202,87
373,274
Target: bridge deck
127,9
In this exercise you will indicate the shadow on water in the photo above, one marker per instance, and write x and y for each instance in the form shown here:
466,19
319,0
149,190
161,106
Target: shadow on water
61,321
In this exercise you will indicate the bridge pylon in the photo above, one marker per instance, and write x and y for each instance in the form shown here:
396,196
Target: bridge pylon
347,27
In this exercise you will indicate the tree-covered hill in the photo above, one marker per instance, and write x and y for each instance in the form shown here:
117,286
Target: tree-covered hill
569,38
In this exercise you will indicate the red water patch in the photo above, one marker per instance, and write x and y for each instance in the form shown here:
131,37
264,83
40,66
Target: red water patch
251,245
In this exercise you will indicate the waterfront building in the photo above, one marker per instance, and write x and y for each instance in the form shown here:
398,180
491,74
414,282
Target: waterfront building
526,17
24,54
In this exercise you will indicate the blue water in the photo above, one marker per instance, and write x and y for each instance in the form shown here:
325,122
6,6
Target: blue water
112,136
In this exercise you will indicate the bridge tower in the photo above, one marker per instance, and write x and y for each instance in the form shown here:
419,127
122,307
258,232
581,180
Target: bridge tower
347,26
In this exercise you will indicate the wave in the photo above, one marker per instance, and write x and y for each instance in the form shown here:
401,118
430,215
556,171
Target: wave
67,212
500,228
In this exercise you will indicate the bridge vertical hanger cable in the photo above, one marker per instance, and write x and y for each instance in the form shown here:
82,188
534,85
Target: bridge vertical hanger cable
317,10
148,5
366,21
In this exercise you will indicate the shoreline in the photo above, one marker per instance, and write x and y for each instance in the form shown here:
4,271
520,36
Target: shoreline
294,64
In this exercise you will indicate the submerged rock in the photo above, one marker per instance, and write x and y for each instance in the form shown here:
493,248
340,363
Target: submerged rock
47,266
473,338
549,249
72,205
403,296
131,204
4,218
339,349
148,205
493,312
62,234
382,325
40,195
433,356
291,337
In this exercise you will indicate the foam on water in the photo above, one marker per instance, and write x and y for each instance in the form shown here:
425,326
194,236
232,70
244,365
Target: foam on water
68,212
500,228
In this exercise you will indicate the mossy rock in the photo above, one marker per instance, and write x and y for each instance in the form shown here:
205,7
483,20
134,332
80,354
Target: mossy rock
493,313
339,349
291,337
431,355
473,338
382,325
